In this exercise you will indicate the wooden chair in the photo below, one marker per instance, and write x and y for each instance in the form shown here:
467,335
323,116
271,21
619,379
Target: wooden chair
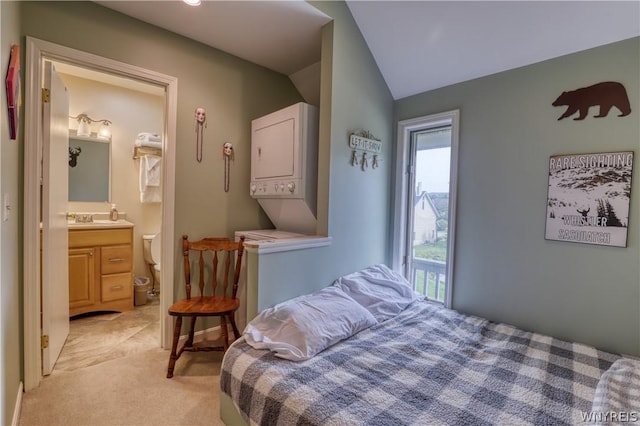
221,303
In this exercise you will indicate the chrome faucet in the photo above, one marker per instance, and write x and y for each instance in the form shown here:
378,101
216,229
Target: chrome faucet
84,218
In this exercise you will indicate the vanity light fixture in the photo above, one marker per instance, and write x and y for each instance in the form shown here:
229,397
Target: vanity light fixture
84,126
192,2
105,131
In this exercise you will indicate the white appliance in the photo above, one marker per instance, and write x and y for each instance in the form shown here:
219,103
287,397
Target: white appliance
284,167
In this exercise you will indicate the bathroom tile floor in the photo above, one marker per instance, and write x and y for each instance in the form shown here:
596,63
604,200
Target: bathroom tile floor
96,338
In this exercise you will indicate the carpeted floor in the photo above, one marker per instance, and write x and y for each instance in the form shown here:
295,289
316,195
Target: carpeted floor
122,383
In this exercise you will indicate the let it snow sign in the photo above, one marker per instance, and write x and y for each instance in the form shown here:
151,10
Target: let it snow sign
588,198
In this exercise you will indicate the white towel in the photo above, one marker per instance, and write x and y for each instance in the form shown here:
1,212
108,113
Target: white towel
149,137
139,142
152,140
151,164
150,173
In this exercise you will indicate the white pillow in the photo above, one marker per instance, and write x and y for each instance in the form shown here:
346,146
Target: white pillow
380,290
301,327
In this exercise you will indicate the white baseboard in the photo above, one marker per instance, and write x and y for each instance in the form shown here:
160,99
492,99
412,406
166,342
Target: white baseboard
18,406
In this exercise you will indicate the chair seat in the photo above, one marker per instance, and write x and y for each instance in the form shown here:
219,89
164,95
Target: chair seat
204,306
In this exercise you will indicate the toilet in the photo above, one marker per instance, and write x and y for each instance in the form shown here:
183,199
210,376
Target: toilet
151,244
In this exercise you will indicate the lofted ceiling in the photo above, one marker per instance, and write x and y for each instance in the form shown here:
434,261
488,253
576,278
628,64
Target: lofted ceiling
418,45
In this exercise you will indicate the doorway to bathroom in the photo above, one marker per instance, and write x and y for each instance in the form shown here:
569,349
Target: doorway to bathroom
108,117
38,51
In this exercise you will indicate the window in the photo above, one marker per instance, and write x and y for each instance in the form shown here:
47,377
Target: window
424,225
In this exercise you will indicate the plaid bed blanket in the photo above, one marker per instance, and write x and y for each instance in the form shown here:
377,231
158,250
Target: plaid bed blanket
618,392
427,366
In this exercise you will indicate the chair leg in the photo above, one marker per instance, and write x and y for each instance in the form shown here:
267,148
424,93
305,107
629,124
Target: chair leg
223,331
174,346
232,320
192,327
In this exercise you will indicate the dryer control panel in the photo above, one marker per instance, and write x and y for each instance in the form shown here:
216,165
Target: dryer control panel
276,188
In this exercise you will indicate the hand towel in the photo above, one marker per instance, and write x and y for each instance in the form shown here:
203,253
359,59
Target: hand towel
152,170
150,175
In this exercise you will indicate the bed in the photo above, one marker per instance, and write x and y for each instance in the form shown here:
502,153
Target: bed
416,363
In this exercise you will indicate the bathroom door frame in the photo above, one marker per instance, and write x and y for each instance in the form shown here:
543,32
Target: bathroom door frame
37,51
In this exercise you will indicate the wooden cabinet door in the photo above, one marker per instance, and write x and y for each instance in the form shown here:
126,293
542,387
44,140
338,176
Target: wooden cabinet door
82,288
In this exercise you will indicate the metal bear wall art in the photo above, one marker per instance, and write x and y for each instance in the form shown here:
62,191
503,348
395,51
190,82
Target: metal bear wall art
606,95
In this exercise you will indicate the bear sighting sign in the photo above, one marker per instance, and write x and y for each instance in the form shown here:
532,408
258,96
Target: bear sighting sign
588,198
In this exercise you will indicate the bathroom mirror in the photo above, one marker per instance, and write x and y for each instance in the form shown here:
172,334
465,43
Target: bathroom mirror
89,168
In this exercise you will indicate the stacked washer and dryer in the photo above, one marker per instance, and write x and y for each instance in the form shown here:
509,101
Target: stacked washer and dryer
284,179
284,172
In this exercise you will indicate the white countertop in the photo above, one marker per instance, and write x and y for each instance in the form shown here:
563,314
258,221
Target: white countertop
286,244
100,224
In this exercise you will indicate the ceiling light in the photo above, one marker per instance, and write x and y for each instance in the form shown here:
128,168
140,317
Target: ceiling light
192,2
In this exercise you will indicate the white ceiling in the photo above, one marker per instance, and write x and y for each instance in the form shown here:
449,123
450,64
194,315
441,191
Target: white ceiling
418,45
433,44
280,35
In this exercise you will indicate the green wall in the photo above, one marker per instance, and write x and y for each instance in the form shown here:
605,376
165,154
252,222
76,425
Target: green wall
10,232
504,268
232,90
353,205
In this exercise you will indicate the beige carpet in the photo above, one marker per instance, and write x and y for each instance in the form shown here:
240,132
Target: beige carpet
132,390
111,371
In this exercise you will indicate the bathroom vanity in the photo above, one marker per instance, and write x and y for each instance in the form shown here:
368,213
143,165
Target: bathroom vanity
100,266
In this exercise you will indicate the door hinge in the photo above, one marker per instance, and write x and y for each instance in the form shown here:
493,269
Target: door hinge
45,95
44,341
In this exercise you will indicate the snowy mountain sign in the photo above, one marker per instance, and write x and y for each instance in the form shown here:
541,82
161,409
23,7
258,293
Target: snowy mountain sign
588,198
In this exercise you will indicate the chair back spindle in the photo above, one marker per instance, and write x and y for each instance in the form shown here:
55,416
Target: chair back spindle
219,251
187,265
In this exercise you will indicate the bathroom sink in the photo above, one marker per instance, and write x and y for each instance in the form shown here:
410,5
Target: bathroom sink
100,224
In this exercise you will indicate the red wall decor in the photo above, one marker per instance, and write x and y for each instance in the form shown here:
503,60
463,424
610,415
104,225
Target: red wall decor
12,83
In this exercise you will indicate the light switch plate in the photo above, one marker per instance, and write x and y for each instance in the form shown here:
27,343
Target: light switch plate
6,208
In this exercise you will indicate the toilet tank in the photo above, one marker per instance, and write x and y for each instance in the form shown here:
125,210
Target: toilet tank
156,248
